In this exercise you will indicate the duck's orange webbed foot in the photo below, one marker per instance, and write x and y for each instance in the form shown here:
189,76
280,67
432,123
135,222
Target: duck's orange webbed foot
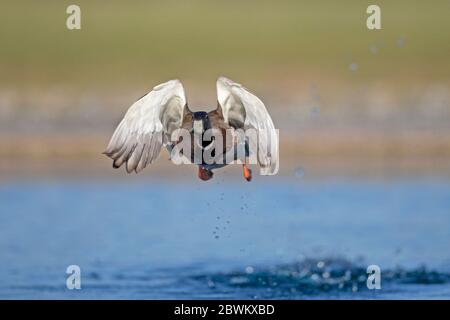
247,172
204,174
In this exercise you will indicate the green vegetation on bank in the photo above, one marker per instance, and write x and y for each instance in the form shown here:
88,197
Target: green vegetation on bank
125,42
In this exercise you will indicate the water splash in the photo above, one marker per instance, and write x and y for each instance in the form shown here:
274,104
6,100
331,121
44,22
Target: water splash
315,277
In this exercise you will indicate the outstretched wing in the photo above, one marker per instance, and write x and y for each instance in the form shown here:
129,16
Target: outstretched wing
243,110
147,125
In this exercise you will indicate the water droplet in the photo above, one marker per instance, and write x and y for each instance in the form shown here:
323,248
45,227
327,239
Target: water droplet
348,275
249,270
400,42
353,66
315,110
299,172
320,264
315,277
373,48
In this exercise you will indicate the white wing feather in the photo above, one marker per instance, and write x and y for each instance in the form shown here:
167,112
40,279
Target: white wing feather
138,138
230,95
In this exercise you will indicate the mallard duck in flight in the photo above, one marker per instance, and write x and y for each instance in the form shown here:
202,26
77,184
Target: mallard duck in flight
151,121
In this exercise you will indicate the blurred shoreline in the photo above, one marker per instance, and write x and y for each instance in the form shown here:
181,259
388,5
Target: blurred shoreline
328,130
350,153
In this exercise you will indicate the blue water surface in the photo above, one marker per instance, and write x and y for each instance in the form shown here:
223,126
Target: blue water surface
231,240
